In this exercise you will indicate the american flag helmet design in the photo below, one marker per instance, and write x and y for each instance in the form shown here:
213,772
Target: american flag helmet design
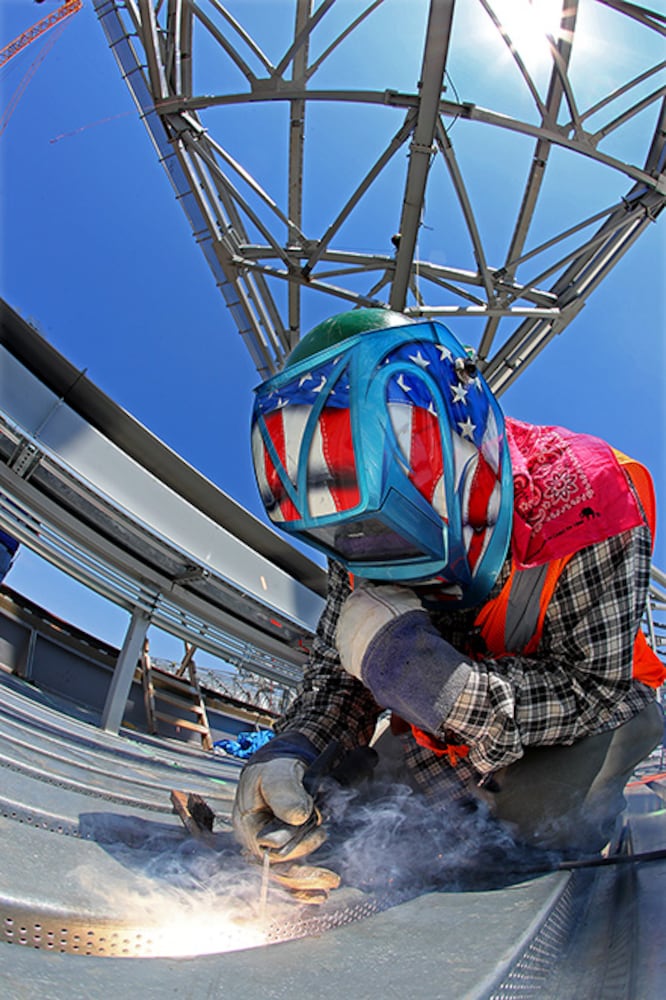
388,452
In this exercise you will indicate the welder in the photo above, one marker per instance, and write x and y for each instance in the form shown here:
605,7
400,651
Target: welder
486,583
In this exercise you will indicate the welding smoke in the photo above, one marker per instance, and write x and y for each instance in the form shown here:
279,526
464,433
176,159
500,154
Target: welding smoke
179,895
386,841
387,838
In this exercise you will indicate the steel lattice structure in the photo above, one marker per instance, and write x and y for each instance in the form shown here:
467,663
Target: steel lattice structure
190,65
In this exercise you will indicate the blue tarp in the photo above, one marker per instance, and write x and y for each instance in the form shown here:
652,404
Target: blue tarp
245,744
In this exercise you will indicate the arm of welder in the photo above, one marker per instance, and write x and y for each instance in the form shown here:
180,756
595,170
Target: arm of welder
330,707
329,704
386,640
578,680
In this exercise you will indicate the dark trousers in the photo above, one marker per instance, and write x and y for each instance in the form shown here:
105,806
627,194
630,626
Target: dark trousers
563,798
570,797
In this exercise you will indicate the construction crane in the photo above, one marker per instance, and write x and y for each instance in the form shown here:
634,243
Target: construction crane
58,17
45,24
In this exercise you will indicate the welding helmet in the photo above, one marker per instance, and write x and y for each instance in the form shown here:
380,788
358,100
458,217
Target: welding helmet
381,445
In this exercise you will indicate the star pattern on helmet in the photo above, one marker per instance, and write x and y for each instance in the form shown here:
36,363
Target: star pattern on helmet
459,392
419,360
436,363
467,428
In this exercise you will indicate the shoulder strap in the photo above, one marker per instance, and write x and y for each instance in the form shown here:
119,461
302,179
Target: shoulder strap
513,621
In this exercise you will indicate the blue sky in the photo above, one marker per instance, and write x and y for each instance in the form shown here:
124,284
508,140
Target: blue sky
97,253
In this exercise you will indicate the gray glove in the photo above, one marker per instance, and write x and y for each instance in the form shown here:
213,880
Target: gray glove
364,614
274,790
273,812
386,640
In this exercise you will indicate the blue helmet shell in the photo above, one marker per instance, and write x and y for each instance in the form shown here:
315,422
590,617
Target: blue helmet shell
388,452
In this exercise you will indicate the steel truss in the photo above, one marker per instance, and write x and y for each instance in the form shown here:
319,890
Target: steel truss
267,256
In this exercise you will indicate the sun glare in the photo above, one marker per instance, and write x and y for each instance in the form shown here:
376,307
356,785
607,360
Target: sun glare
530,24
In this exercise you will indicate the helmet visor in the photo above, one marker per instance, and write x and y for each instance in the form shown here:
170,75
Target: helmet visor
303,449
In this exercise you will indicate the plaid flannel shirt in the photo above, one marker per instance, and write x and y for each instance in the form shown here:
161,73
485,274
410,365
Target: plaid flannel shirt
579,681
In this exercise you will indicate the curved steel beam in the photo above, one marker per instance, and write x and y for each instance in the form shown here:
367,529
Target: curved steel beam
257,238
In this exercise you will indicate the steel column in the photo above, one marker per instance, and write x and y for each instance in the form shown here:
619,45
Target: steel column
123,675
422,147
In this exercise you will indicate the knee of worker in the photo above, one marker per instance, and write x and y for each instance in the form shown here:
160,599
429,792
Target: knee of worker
558,816
541,797
631,743
653,720
571,797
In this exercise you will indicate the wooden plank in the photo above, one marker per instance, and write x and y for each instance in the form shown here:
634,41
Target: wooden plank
174,699
175,720
168,681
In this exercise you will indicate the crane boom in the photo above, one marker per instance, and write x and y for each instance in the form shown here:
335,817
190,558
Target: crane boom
65,10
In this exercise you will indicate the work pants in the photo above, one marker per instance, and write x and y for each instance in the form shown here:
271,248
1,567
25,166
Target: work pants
562,798
571,797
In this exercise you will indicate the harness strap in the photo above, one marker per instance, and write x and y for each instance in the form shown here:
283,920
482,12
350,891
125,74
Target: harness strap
513,621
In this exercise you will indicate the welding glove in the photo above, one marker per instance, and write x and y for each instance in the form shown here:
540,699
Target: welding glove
386,640
273,812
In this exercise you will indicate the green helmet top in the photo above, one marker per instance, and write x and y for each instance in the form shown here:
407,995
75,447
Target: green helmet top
340,327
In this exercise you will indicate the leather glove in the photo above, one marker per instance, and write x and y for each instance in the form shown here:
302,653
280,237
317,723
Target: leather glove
364,614
386,640
269,791
274,813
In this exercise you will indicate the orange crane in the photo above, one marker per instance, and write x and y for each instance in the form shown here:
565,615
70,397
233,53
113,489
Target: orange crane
65,10
58,17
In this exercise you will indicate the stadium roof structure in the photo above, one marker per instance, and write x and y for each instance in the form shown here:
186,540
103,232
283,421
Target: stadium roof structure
249,122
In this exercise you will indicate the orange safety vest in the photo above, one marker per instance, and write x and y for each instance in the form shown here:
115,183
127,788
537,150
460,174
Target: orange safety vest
513,621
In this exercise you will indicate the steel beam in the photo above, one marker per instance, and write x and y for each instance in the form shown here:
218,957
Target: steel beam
421,150
123,674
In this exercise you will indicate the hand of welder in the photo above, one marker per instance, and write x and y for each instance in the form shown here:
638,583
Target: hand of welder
273,813
367,610
271,806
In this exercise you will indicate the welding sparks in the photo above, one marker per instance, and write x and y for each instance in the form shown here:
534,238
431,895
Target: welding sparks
214,908
169,925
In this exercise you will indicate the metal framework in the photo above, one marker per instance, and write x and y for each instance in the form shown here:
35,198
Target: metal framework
655,617
95,494
189,64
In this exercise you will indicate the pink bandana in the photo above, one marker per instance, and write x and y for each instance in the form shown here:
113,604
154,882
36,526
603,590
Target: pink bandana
569,492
